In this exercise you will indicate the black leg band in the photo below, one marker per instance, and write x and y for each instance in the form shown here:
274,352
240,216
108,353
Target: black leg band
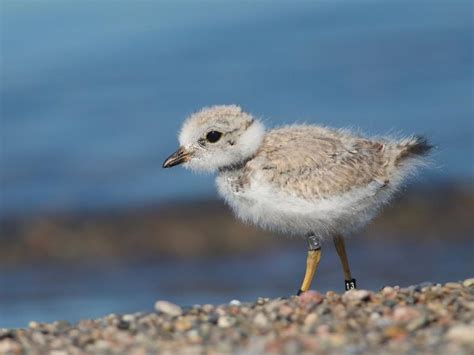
350,284
300,291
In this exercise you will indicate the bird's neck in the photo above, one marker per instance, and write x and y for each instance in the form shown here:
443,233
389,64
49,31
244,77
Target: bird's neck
237,166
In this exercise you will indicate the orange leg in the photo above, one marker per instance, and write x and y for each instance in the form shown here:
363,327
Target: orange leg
312,262
341,251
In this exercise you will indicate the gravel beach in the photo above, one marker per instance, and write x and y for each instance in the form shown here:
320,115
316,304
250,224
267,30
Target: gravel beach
425,318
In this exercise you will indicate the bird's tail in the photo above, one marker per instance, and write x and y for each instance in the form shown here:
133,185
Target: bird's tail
413,147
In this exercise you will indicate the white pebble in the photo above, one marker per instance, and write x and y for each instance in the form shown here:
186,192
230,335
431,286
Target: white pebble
225,322
168,308
260,320
128,317
462,333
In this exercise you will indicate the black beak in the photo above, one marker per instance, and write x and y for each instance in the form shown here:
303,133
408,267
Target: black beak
179,157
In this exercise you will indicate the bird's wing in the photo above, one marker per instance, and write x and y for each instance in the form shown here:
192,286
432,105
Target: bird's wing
316,162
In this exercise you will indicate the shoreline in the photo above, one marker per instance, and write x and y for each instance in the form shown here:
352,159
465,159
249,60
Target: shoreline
206,228
430,318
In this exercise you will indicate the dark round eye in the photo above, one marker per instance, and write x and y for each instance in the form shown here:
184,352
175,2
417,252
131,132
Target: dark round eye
213,136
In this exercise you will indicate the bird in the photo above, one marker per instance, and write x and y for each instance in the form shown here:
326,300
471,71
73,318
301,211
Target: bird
312,181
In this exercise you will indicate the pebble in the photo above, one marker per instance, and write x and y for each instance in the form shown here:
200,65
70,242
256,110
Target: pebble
311,319
422,318
356,295
128,317
225,322
468,282
461,333
183,324
235,303
261,320
453,285
405,314
168,308
311,296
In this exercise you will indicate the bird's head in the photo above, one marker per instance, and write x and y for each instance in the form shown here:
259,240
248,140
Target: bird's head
217,137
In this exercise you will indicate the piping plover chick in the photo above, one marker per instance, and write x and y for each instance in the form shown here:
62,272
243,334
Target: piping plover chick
302,180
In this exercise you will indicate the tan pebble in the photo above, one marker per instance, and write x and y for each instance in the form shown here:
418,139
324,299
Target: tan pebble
356,295
168,308
389,292
416,323
225,322
395,332
468,282
452,285
221,311
183,324
193,336
167,326
336,339
469,305
405,314
207,308
323,330
102,344
260,320
8,346
33,324
138,351
58,352
311,296
461,333
285,310
38,338
311,319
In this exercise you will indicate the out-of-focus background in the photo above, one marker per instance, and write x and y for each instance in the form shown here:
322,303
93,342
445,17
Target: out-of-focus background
93,94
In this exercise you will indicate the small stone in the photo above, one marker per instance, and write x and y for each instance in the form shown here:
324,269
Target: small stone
405,314
417,323
225,322
285,310
452,285
311,296
38,338
356,295
128,318
468,282
57,352
463,334
260,320
426,284
235,303
168,308
207,308
62,325
193,336
123,325
389,292
311,319
183,324
395,332
33,324
9,346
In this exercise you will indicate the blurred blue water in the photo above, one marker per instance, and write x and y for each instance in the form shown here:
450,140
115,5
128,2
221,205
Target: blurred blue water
48,293
93,93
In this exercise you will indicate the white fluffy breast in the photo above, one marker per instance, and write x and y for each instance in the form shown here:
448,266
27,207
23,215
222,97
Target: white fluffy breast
261,204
